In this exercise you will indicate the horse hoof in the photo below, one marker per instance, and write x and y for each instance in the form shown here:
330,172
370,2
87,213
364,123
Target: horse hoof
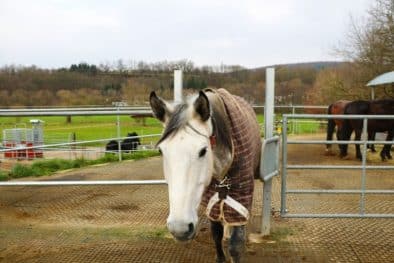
255,238
221,260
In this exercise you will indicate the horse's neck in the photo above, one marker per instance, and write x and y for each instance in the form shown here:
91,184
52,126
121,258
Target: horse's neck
222,154
221,163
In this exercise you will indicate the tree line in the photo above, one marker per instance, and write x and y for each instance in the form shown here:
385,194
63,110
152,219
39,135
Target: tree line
88,84
367,51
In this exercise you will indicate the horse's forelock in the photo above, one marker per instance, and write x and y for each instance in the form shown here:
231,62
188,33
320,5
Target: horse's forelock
179,118
177,121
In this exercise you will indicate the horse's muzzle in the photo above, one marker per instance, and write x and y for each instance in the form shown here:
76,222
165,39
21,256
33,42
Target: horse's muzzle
182,231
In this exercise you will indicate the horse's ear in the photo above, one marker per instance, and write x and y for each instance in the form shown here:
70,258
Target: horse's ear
202,107
159,107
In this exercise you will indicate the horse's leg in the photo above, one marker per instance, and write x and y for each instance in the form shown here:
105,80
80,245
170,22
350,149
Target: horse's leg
383,153
343,134
371,137
338,134
237,243
387,147
357,138
388,153
217,235
330,131
390,137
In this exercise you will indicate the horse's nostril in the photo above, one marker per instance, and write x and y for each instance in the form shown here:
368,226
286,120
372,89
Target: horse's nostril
191,228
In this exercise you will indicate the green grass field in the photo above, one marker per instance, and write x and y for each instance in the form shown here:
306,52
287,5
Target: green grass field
56,129
86,128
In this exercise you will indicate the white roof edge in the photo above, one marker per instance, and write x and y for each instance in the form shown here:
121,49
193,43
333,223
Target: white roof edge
385,78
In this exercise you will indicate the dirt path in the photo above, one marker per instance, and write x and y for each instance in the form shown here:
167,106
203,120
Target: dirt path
127,223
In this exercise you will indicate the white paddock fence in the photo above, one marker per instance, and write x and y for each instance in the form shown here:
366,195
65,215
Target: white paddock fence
61,146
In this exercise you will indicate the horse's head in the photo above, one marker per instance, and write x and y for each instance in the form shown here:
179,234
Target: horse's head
187,158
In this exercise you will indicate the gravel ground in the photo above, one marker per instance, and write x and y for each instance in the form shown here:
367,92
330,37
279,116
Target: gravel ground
127,223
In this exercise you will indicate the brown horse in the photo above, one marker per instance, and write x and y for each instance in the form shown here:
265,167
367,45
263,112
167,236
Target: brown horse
337,107
375,107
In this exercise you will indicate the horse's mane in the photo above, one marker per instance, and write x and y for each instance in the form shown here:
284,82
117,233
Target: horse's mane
221,124
357,107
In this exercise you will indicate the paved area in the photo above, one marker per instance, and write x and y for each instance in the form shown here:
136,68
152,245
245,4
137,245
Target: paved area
127,223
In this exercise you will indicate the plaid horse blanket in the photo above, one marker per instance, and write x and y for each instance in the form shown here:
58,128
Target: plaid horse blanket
245,135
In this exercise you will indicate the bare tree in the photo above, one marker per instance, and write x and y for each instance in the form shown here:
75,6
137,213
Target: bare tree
370,43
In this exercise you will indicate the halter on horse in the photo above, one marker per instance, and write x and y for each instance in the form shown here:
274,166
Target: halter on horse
211,151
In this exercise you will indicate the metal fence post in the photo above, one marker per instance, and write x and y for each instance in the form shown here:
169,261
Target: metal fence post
293,131
178,76
268,133
364,163
283,209
118,135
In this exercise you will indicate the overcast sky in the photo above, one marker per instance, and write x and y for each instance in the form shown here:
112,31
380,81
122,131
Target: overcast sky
57,33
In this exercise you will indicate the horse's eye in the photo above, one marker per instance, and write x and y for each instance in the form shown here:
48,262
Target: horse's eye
160,151
202,152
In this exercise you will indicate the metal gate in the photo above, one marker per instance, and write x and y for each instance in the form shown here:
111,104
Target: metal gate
362,191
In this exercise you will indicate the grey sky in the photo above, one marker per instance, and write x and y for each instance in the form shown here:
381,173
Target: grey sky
57,33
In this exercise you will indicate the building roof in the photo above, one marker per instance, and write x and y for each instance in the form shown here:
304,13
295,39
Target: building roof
382,79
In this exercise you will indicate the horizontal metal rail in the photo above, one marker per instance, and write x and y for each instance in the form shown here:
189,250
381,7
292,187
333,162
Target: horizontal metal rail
75,113
75,143
348,167
338,215
19,109
63,109
340,191
337,116
87,111
338,142
76,183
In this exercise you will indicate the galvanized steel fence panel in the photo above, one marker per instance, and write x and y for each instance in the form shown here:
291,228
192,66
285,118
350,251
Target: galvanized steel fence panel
363,167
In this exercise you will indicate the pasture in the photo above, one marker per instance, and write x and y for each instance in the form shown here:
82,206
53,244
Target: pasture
127,223
87,128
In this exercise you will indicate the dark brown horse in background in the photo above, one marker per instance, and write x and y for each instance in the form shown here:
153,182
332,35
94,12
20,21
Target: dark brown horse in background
362,107
338,108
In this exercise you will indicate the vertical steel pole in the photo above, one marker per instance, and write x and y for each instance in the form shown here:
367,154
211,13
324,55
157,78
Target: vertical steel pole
178,76
292,121
268,133
364,163
118,135
283,209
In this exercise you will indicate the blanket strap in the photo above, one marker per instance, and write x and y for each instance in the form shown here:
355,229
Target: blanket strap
237,206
